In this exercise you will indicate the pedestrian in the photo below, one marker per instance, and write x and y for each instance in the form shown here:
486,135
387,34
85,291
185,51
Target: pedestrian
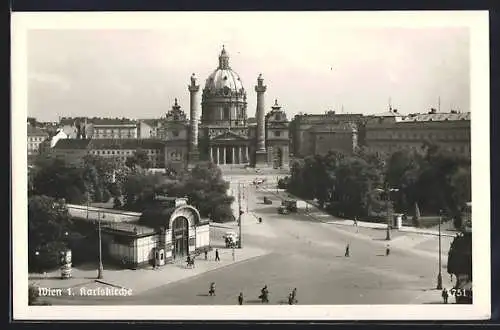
240,299
444,294
206,255
290,299
346,251
294,294
217,258
211,291
387,250
355,221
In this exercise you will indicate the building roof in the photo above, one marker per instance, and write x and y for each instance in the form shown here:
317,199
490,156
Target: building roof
438,116
341,127
127,144
111,121
129,228
72,144
71,120
150,122
35,131
96,121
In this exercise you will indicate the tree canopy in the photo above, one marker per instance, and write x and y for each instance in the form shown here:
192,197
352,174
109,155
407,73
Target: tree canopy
48,223
139,158
204,187
347,184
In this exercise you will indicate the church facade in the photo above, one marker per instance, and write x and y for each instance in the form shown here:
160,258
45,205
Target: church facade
221,131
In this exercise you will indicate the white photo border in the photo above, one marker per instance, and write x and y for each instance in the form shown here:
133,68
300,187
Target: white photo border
476,21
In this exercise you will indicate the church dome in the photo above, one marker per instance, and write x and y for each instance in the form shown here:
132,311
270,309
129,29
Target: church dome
224,81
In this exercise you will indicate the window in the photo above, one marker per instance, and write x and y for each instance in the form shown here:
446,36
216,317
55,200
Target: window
277,133
175,133
226,113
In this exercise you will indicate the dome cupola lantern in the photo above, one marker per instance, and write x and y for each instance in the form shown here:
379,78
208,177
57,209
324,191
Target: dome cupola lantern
223,59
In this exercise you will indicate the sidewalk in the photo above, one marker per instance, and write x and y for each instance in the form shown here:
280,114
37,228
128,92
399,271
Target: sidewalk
315,213
144,279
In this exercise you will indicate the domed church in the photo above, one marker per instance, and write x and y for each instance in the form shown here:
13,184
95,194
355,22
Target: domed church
223,133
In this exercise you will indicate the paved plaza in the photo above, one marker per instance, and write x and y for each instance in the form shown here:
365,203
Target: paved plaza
293,251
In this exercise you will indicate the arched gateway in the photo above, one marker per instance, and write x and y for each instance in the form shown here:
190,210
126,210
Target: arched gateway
182,225
167,230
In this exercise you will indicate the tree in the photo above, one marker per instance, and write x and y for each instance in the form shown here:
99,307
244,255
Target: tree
117,203
204,187
53,177
403,170
48,223
356,180
139,158
460,255
207,191
139,190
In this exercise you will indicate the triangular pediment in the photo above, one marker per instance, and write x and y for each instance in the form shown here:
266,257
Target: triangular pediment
229,136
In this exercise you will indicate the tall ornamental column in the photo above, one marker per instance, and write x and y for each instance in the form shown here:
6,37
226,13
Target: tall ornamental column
194,113
260,88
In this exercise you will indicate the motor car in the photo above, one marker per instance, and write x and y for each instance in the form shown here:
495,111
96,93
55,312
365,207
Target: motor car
231,239
267,200
258,181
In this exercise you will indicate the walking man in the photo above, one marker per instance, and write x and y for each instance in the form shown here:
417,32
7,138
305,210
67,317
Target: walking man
206,255
240,299
290,299
217,258
444,294
346,251
387,250
355,221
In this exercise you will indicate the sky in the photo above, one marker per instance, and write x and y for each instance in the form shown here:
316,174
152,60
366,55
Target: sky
309,64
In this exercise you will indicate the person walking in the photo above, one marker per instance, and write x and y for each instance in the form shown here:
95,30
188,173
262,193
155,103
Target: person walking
211,291
217,258
290,299
346,251
240,299
444,294
206,255
355,221
387,250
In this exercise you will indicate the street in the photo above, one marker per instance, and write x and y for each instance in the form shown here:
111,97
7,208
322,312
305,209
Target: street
307,255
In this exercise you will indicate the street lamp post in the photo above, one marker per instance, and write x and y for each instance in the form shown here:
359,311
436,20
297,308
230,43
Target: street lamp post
388,233
239,214
439,277
387,191
100,270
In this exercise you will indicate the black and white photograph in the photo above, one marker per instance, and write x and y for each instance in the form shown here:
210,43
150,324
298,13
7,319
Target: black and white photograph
251,165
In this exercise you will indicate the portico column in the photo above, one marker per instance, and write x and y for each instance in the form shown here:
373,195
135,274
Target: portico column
212,154
234,156
224,155
218,156
240,155
247,159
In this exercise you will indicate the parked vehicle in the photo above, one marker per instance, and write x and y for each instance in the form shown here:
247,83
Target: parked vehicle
258,181
231,239
267,201
288,206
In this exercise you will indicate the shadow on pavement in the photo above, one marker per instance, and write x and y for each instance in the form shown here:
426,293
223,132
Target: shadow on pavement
203,295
